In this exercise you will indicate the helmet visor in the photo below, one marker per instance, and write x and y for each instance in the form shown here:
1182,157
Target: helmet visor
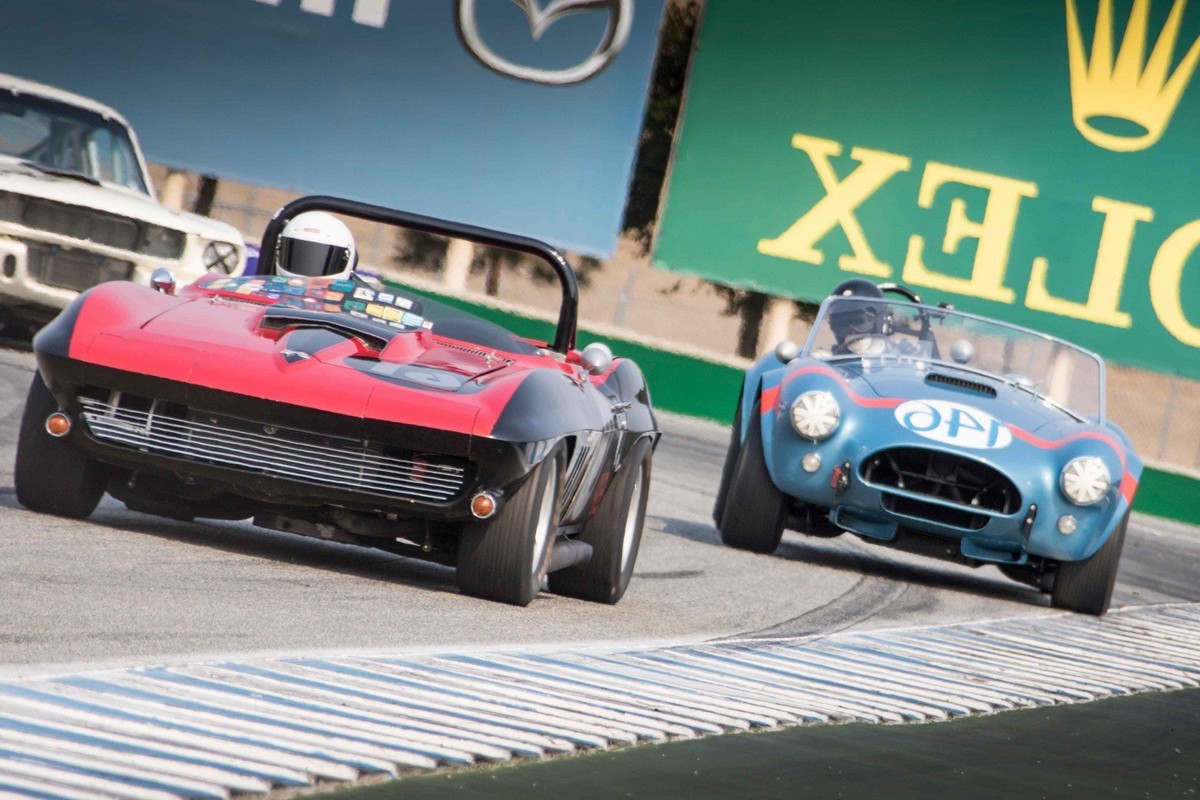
311,259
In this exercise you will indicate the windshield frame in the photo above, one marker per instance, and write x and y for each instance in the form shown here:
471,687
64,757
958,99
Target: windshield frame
936,311
101,119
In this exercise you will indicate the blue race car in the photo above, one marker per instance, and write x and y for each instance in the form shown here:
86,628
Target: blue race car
935,432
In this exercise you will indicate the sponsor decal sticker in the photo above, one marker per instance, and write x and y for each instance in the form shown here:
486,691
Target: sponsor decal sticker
953,423
342,286
364,294
412,320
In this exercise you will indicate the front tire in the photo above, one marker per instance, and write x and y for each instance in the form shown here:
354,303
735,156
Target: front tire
615,534
735,445
1087,586
505,558
53,475
754,510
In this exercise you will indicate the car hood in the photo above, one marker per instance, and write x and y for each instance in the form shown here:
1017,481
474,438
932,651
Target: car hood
942,382
222,344
22,179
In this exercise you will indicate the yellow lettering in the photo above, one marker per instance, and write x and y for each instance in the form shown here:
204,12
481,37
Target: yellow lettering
1166,275
994,232
1108,278
837,207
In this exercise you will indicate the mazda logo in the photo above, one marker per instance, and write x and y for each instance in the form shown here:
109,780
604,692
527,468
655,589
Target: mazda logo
616,33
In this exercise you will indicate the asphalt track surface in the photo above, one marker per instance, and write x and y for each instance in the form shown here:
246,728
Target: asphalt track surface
126,588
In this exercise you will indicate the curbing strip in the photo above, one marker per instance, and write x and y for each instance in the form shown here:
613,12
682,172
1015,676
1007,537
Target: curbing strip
250,727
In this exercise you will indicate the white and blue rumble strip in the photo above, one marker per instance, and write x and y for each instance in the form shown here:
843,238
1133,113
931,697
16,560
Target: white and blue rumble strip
252,727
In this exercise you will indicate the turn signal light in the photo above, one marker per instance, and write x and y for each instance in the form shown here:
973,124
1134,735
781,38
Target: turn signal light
58,424
483,505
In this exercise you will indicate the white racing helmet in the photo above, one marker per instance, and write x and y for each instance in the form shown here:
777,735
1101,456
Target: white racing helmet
315,244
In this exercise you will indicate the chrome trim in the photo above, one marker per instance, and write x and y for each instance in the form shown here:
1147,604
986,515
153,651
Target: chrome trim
353,465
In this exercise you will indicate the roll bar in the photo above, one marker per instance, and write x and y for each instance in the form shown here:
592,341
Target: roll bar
568,314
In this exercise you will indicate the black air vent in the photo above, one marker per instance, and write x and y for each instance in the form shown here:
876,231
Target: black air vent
961,383
965,482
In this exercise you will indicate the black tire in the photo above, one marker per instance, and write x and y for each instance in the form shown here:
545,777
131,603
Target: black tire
505,558
755,509
53,475
735,444
1087,586
615,534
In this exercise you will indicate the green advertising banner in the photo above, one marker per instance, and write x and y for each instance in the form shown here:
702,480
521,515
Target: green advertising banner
1038,162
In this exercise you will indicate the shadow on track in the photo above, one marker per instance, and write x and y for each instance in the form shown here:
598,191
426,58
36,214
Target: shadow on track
242,539
855,558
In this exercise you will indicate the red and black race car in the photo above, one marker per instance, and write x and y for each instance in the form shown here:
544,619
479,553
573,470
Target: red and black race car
352,411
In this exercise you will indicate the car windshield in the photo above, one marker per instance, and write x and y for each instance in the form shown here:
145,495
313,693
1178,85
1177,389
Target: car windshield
881,330
65,138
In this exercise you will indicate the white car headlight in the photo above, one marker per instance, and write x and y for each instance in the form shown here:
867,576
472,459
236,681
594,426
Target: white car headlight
221,257
1085,480
815,415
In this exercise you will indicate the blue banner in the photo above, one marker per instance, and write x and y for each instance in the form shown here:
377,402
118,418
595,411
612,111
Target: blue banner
515,114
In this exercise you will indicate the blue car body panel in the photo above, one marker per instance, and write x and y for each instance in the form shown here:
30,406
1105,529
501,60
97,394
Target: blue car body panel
1014,432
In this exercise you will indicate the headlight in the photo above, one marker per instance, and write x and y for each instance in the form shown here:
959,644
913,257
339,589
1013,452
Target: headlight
815,415
221,257
1085,481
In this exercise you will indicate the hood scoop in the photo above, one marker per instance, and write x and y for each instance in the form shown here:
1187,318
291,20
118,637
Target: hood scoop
962,384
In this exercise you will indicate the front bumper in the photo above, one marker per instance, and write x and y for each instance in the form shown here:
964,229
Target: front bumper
20,287
210,456
884,513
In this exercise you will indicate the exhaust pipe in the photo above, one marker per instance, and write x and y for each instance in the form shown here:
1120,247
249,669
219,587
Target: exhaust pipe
569,553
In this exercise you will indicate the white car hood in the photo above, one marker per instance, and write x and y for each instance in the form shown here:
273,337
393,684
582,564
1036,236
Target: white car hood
21,179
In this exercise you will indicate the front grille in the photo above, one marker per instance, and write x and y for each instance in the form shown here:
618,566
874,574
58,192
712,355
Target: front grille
971,485
340,463
73,269
86,224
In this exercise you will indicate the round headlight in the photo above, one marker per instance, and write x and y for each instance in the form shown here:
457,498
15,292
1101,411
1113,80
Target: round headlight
1085,480
221,257
815,415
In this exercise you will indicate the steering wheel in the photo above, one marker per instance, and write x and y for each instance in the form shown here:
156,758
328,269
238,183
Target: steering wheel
925,334
900,289
844,347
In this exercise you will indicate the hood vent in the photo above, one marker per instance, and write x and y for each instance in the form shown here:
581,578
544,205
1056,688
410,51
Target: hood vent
961,383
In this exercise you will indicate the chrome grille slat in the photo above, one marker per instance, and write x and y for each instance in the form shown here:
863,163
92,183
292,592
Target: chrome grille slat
351,467
331,476
238,436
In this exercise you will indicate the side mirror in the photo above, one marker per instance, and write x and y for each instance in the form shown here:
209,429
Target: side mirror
596,358
786,350
161,280
962,351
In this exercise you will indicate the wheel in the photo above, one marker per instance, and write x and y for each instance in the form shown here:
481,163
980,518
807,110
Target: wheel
614,532
505,558
53,475
1087,586
755,509
735,444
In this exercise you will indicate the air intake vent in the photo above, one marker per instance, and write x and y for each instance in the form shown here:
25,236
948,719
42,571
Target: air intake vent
961,383
347,464
968,484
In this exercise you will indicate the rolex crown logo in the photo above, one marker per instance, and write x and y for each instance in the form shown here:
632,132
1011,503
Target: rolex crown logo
1124,90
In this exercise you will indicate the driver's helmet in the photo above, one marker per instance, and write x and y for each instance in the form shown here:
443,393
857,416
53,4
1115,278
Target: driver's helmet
861,317
315,244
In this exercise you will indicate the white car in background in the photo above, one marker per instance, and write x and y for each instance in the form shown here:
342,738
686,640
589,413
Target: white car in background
77,207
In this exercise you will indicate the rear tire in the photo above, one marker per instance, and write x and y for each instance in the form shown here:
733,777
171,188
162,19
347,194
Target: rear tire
53,475
755,510
505,558
615,534
1087,586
